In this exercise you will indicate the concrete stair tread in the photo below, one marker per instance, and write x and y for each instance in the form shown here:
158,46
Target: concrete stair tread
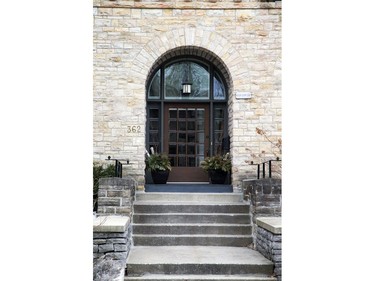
192,235
183,193
209,277
146,202
188,197
198,255
193,224
192,214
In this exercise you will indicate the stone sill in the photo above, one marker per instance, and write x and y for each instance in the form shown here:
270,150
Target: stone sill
272,224
111,224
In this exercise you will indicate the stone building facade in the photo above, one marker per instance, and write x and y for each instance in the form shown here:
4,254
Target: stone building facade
238,42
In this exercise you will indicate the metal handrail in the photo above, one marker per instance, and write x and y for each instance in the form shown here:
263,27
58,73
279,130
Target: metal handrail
264,167
118,166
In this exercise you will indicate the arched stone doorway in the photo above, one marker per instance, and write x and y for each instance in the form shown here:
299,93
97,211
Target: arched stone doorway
188,126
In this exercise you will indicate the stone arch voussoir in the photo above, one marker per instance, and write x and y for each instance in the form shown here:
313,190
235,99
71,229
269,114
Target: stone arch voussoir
189,40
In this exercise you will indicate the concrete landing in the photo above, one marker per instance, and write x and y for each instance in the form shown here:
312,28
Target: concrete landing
196,260
195,188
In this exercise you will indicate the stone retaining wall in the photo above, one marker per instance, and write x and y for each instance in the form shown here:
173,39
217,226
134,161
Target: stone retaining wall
111,247
115,245
265,212
112,229
116,196
268,244
265,197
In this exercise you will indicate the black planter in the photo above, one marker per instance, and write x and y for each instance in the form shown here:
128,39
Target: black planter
217,176
160,177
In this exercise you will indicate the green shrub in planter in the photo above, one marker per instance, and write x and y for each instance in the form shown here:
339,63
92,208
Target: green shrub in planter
100,171
159,165
217,167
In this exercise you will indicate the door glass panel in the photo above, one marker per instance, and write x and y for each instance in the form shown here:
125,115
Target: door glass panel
182,161
153,128
191,162
200,113
191,113
191,149
172,125
154,137
191,125
181,125
172,149
200,149
219,124
219,113
181,137
172,113
154,125
182,113
191,137
173,161
172,137
154,113
200,125
219,138
181,149
200,137
199,159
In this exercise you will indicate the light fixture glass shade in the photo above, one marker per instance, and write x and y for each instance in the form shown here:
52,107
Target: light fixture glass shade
186,88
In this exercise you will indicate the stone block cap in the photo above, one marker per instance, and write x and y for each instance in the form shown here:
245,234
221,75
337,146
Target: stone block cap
272,224
111,223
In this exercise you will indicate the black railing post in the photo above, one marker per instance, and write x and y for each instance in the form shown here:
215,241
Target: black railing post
118,167
264,169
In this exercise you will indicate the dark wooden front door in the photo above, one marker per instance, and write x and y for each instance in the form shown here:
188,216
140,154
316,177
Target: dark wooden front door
186,140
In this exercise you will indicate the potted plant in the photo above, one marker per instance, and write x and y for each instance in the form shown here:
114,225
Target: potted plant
159,165
217,167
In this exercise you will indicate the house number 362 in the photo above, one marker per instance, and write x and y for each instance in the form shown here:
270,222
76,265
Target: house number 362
134,129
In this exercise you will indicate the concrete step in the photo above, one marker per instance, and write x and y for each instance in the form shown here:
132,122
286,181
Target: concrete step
191,218
196,260
184,207
185,277
188,197
183,228
192,240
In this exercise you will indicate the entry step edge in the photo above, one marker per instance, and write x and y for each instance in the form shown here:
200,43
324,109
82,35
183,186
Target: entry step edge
208,277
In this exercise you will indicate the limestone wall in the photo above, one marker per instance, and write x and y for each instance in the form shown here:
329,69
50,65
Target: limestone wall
129,36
